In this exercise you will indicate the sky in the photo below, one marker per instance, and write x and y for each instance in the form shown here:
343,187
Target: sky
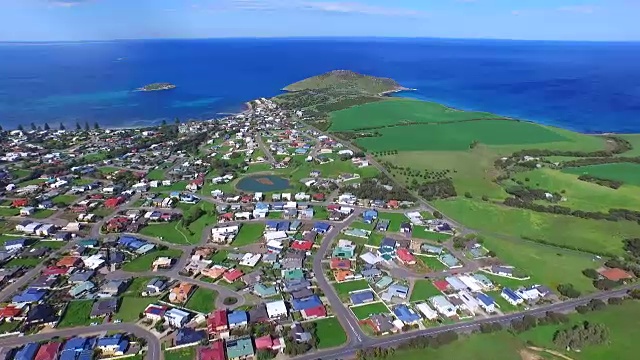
73,20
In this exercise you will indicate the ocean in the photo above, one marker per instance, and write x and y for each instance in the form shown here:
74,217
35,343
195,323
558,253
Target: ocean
586,87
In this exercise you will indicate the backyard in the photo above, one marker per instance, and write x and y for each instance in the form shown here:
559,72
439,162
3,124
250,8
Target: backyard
77,313
365,311
423,290
330,333
344,288
202,300
144,262
132,306
248,234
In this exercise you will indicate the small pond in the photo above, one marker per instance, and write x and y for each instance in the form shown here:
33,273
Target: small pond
263,183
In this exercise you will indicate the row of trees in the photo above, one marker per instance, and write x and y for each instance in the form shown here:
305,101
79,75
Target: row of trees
581,335
61,126
614,184
438,189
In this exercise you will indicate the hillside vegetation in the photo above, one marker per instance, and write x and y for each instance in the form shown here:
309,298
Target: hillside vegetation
345,80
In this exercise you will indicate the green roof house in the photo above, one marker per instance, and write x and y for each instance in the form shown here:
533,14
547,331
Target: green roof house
293,274
240,348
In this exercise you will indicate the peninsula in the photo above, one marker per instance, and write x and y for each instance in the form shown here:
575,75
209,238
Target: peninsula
157,87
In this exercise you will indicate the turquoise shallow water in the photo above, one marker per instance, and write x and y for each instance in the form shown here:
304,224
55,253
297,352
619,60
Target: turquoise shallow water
589,87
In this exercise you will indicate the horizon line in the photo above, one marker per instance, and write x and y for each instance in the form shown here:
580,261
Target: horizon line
337,37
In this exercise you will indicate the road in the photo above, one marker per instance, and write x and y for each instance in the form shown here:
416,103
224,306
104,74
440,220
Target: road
154,350
350,349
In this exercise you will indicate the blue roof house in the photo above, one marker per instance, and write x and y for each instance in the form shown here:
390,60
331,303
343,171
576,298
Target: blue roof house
306,303
190,336
16,244
271,225
486,302
237,318
29,296
511,296
361,297
406,315
77,344
28,352
116,344
321,227
369,216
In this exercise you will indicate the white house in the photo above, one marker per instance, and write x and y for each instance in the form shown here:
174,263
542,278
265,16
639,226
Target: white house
176,317
470,303
250,259
427,311
443,306
27,211
277,309
93,262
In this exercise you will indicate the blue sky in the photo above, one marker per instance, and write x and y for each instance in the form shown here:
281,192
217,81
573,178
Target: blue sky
49,20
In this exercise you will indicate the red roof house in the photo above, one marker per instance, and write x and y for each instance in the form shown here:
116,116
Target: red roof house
69,261
215,351
302,245
394,204
114,202
10,312
20,202
333,207
318,197
232,275
54,270
316,312
616,274
406,257
48,351
217,322
264,343
340,264
441,285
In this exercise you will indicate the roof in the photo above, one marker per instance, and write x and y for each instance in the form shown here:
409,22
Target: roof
318,311
405,314
264,342
306,303
237,317
511,294
189,336
48,351
29,295
239,348
215,351
615,274
361,297
485,299
28,352
218,318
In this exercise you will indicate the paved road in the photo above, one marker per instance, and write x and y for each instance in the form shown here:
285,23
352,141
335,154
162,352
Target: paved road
265,150
154,351
394,340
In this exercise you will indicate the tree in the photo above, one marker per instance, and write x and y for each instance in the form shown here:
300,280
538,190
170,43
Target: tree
61,127
20,127
437,214
177,121
164,122
33,127
78,127
86,126
47,127
581,335
591,273
96,125
568,290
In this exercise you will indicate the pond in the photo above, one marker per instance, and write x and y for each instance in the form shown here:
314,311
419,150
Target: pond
263,183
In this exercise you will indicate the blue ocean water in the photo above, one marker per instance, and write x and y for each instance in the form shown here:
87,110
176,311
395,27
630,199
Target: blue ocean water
588,87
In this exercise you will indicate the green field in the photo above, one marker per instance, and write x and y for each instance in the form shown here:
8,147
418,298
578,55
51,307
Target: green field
175,233
143,263
395,219
432,263
398,111
132,306
329,333
569,231
459,136
498,346
64,199
77,313
202,300
7,211
544,264
583,195
26,262
363,312
248,234
344,288
626,172
330,170
420,232
422,290
43,214
156,174
137,286
188,353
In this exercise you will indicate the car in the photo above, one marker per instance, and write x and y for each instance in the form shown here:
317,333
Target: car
93,324
117,321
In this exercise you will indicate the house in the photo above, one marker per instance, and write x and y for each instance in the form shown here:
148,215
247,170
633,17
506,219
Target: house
69,262
342,275
383,225
396,290
470,303
406,257
180,294
176,317
337,263
237,318
258,314
264,291
186,336
41,314
82,288
114,287
27,211
486,302
217,322
406,228
455,283
232,275
277,309
443,306
155,312
371,274
306,303
28,352
48,351
406,315
380,324
104,307
241,348
268,343
321,227
29,295
15,245
369,216
427,311
450,261
314,312
215,351
502,270
114,345
384,282
615,274
511,296
299,334
11,312
155,286
45,281
361,297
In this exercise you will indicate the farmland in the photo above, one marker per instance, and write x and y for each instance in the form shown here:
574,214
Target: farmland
567,231
625,172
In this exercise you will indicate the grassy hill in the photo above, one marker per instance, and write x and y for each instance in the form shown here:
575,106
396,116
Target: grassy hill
345,80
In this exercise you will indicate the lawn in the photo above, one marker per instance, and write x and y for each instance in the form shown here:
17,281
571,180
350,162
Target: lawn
9,326
344,288
7,211
363,312
503,304
545,264
219,257
375,239
398,111
622,321
395,219
132,306
500,346
459,136
202,300
26,262
188,353
50,244
259,167
583,195
137,286
320,213
43,214
432,263
175,233
64,199
107,169
248,234
330,170
626,172
329,333
144,262
422,290
420,232
77,313
156,174
588,235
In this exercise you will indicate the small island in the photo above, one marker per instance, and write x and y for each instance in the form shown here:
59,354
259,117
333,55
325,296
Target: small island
157,87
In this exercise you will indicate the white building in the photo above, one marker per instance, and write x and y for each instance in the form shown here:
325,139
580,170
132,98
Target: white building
176,317
472,284
277,309
250,259
443,306
427,311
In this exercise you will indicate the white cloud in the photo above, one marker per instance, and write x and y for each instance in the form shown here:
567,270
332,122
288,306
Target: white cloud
578,9
342,7
66,3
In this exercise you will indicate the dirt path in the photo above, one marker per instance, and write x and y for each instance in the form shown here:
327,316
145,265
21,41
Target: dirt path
552,352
